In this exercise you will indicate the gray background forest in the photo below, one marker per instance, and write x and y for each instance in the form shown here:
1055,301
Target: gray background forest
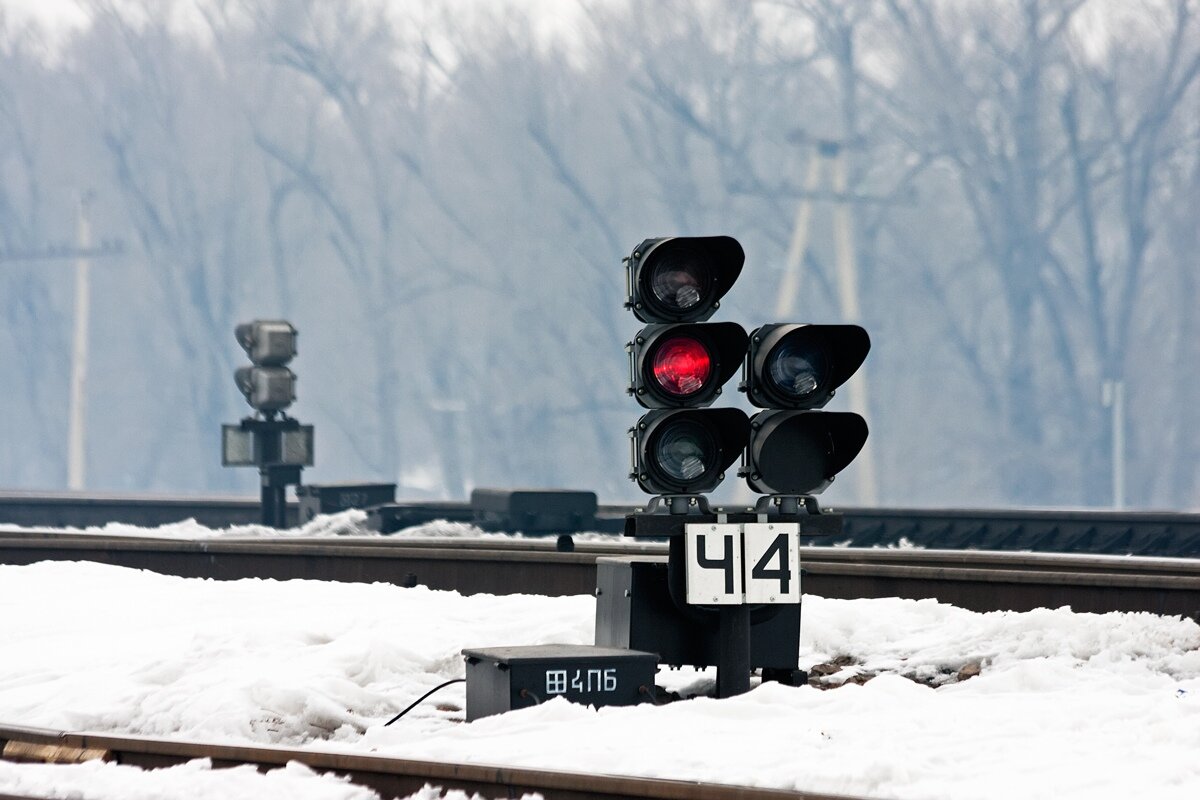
439,194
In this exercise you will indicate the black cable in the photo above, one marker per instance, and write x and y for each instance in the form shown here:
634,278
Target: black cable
652,693
421,698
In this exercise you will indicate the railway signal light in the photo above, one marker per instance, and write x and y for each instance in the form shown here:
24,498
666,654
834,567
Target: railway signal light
271,440
681,448
268,386
684,365
800,366
800,452
678,363
686,451
681,278
791,370
271,343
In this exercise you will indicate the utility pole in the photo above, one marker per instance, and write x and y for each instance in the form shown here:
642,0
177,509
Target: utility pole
1113,397
76,425
83,252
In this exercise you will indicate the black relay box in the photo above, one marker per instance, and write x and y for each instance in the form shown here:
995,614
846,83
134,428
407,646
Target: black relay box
501,679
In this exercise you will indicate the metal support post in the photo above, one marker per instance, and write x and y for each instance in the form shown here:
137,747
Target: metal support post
733,651
272,492
276,469
733,635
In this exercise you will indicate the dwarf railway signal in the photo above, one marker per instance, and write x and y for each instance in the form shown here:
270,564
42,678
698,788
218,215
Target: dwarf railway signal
729,571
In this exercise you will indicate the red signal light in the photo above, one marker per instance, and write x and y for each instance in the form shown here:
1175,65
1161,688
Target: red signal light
682,366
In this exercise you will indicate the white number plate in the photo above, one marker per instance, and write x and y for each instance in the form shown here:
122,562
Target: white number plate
772,562
714,564
736,564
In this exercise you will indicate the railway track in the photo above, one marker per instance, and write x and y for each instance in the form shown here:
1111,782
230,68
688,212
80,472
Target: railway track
977,580
390,777
1143,533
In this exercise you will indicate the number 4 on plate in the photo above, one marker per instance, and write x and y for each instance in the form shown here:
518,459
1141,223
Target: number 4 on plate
772,562
714,564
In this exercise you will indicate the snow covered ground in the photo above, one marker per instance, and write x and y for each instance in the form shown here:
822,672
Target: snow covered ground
348,523
932,701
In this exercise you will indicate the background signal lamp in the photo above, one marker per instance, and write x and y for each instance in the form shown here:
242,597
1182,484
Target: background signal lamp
268,386
800,366
267,389
686,451
681,278
678,366
269,343
800,452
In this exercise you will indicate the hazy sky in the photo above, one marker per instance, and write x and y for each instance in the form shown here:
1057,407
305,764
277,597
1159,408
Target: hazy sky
50,11
553,20
68,12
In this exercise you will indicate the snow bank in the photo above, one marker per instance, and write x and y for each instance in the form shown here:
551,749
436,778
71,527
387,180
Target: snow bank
952,703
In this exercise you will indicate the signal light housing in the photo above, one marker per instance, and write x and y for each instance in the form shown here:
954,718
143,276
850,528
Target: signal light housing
268,342
681,278
800,452
677,366
800,366
271,440
686,451
268,386
267,389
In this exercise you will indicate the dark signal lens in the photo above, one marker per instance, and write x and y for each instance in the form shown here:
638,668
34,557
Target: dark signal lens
796,458
682,366
686,451
681,278
679,281
797,371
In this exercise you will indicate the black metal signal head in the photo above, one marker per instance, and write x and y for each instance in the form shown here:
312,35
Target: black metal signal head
684,365
800,452
799,366
686,451
681,278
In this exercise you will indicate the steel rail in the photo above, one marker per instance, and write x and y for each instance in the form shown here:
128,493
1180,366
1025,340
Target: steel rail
977,580
390,777
80,510
1150,533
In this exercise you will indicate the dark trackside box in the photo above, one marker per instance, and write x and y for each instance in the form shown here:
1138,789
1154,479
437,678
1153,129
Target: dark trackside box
501,679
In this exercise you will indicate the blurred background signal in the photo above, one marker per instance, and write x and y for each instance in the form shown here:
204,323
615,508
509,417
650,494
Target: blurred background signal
271,440
268,386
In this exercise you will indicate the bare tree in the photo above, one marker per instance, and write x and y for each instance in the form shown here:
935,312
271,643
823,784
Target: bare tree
172,134
38,189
